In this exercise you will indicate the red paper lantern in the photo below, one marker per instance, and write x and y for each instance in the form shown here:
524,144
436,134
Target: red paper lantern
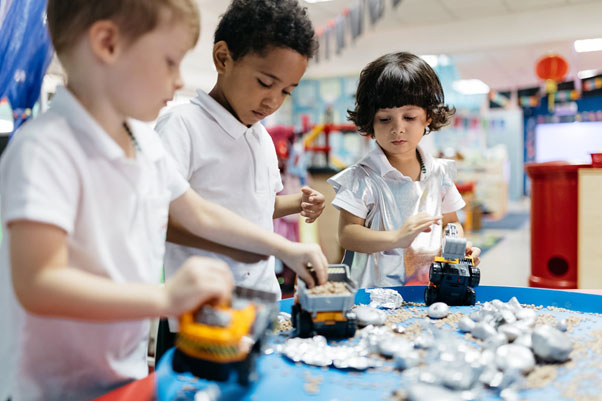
552,67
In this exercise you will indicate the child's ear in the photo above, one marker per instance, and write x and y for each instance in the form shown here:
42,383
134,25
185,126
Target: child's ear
222,58
104,38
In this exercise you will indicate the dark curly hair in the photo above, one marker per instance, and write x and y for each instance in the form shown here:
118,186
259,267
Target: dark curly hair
396,80
254,25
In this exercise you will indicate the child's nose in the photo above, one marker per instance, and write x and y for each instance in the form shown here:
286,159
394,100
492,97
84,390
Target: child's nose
178,81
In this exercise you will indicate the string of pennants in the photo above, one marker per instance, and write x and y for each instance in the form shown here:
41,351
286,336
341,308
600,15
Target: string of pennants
472,122
531,97
349,24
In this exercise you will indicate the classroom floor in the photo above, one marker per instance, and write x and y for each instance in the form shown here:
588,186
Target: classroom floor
508,261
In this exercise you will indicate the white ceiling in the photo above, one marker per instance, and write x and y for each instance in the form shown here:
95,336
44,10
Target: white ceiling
497,41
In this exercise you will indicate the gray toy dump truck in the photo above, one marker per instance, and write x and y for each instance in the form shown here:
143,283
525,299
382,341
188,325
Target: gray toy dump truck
327,313
453,273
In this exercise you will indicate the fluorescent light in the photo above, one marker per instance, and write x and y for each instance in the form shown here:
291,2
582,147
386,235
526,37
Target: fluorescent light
470,87
588,45
6,126
444,60
431,59
436,60
316,1
583,74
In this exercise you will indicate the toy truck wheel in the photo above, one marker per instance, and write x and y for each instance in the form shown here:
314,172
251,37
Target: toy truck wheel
475,276
471,297
305,326
351,328
436,273
247,369
295,311
430,295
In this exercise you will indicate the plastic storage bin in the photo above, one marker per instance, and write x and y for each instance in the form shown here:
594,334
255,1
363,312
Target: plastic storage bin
554,224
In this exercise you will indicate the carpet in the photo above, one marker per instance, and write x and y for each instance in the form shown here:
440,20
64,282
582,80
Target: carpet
485,241
511,221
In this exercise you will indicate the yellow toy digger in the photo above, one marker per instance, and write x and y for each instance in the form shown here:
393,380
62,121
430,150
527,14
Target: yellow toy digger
216,342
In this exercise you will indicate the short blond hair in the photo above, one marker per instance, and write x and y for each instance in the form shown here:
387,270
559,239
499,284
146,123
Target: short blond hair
69,19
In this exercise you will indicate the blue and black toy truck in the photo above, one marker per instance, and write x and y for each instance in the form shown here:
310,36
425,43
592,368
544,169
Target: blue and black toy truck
452,275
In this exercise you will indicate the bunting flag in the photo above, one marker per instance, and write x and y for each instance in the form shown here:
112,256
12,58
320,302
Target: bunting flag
356,21
339,30
499,99
352,20
592,84
327,34
376,10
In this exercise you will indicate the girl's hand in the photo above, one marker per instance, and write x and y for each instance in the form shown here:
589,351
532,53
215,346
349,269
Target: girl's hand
414,225
198,281
474,252
312,204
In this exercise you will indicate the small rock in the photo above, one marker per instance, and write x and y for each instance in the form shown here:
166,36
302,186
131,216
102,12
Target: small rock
438,310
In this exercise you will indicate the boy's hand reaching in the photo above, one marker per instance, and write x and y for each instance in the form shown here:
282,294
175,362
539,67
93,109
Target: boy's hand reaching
198,281
302,257
312,204
414,225
474,252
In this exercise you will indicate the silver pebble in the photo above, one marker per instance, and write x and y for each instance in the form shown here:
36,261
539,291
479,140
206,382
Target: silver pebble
551,344
561,325
526,314
495,341
425,392
483,331
367,315
406,360
511,331
438,310
511,356
524,340
466,324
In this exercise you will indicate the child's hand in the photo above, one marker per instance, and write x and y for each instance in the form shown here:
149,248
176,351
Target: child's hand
474,252
198,281
414,225
312,204
303,257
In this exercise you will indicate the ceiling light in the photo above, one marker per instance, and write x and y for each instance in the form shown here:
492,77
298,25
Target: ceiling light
431,59
6,126
584,74
588,45
444,60
470,87
316,1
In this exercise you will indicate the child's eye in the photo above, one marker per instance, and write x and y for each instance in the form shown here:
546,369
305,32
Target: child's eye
287,93
263,83
409,118
170,62
384,120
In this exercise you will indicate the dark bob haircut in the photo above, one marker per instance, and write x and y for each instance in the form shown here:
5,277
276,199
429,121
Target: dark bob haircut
254,25
396,80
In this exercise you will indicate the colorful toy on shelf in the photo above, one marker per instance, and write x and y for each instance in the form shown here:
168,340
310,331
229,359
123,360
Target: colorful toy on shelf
327,314
453,273
217,341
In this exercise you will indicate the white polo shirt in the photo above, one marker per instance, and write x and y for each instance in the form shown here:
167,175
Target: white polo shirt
63,169
227,163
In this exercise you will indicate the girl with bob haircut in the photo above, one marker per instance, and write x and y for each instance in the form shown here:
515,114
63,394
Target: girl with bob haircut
395,202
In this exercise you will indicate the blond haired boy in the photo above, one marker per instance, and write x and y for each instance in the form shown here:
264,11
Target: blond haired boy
86,192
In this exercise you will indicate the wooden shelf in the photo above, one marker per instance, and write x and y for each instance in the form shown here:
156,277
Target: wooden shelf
590,228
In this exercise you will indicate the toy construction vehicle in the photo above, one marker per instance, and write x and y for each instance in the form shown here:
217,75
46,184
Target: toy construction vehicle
216,342
453,274
326,314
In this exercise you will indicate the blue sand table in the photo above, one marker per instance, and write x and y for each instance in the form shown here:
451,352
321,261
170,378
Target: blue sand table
282,379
